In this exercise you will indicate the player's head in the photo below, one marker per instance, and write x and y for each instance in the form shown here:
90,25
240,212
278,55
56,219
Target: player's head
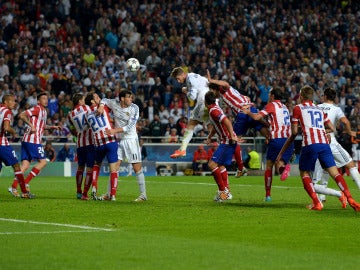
92,99
306,93
210,98
77,99
276,93
42,99
9,101
330,94
126,97
179,74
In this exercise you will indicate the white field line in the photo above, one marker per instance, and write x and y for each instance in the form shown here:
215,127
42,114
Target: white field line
53,232
82,228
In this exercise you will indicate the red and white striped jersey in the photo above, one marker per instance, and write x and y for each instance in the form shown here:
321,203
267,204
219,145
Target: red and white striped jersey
37,116
5,115
234,99
278,118
99,124
77,118
217,117
312,121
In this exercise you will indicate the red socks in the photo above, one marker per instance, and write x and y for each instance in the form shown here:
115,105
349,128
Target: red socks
238,157
113,182
218,178
34,172
309,187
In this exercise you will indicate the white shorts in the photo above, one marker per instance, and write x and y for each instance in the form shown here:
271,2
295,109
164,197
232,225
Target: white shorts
200,113
129,150
341,156
355,152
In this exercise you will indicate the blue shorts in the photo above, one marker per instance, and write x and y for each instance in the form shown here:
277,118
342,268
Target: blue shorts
309,154
108,150
8,156
274,148
32,151
243,122
224,154
86,156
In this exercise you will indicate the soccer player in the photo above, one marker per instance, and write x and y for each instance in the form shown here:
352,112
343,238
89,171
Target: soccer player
31,148
126,115
7,154
85,145
278,117
105,144
196,88
314,146
243,122
222,157
341,156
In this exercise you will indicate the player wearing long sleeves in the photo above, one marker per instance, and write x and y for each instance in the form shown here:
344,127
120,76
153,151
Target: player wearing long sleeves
126,115
195,90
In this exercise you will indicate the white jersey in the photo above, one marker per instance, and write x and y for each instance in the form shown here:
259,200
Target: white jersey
334,114
197,87
125,118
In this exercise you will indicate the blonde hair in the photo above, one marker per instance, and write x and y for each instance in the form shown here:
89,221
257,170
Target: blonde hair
176,72
307,92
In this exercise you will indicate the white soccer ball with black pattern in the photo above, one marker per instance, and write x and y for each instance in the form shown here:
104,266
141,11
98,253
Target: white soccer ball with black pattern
133,64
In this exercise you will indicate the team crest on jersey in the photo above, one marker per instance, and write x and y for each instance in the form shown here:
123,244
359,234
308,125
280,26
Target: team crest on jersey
127,114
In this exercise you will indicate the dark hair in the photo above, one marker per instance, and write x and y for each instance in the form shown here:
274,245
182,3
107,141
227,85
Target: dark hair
210,98
278,95
123,93
76,98
41,94
214,86
89,97
330,93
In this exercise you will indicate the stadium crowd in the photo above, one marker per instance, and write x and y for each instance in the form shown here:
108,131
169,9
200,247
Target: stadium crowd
67,46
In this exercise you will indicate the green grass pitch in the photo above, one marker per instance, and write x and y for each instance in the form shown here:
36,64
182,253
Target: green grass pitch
179,227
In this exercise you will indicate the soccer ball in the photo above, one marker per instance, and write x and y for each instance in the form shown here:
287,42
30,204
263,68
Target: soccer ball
133,64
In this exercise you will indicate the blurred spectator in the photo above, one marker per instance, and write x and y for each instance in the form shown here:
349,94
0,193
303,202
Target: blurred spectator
66,153
200,160
155,128
253,161
171,135
212,149
49,152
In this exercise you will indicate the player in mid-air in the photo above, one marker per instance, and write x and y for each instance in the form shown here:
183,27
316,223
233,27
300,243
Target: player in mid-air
243,122
85,145
315,145
195,90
